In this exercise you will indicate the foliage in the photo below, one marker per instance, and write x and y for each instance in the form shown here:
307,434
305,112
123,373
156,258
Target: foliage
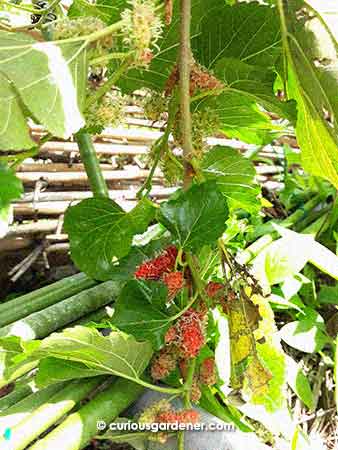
198,292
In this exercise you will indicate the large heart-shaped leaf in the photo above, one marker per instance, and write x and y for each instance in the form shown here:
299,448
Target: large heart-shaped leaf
249,32
196,217
235,176
14,133
100,230
141,310
116,354
255,83
48,78
312,54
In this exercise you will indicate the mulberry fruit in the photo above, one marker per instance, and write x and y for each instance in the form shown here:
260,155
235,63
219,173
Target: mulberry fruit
213,288
191,334
174,282
208,374
156,268
189,416
164,363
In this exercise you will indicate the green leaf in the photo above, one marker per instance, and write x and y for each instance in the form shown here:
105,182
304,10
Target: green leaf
248,32
14,359
10,187
99,231
313,82
195,217
14,131
240,117
48,77
117,354
234,175
281,259
328,295
318,254
256,83
274,360
299,382
141,311
103,10
306,335
6,217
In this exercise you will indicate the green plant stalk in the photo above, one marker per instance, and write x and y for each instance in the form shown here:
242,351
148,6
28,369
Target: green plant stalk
48,414
42,298
42,323
80,427
91,163
21,410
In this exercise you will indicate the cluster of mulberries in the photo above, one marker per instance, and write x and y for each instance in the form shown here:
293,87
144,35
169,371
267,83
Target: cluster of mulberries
186,416
174,282
205,123
188,333
162,412
157,267
200,79
142,28
155,105
107,112
161,268
214,289
83,26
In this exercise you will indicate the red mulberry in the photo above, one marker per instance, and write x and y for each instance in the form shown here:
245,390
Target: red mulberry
189,416
191,334
208,374
174,281
155,268
213,288
163,364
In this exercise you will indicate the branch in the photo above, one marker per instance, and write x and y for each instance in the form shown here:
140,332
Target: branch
185,59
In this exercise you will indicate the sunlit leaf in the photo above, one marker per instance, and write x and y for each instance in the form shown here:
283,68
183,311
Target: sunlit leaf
100,230
195,217
50,89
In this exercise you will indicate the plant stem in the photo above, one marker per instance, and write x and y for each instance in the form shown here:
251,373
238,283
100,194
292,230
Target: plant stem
91,163
161,146
185,59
